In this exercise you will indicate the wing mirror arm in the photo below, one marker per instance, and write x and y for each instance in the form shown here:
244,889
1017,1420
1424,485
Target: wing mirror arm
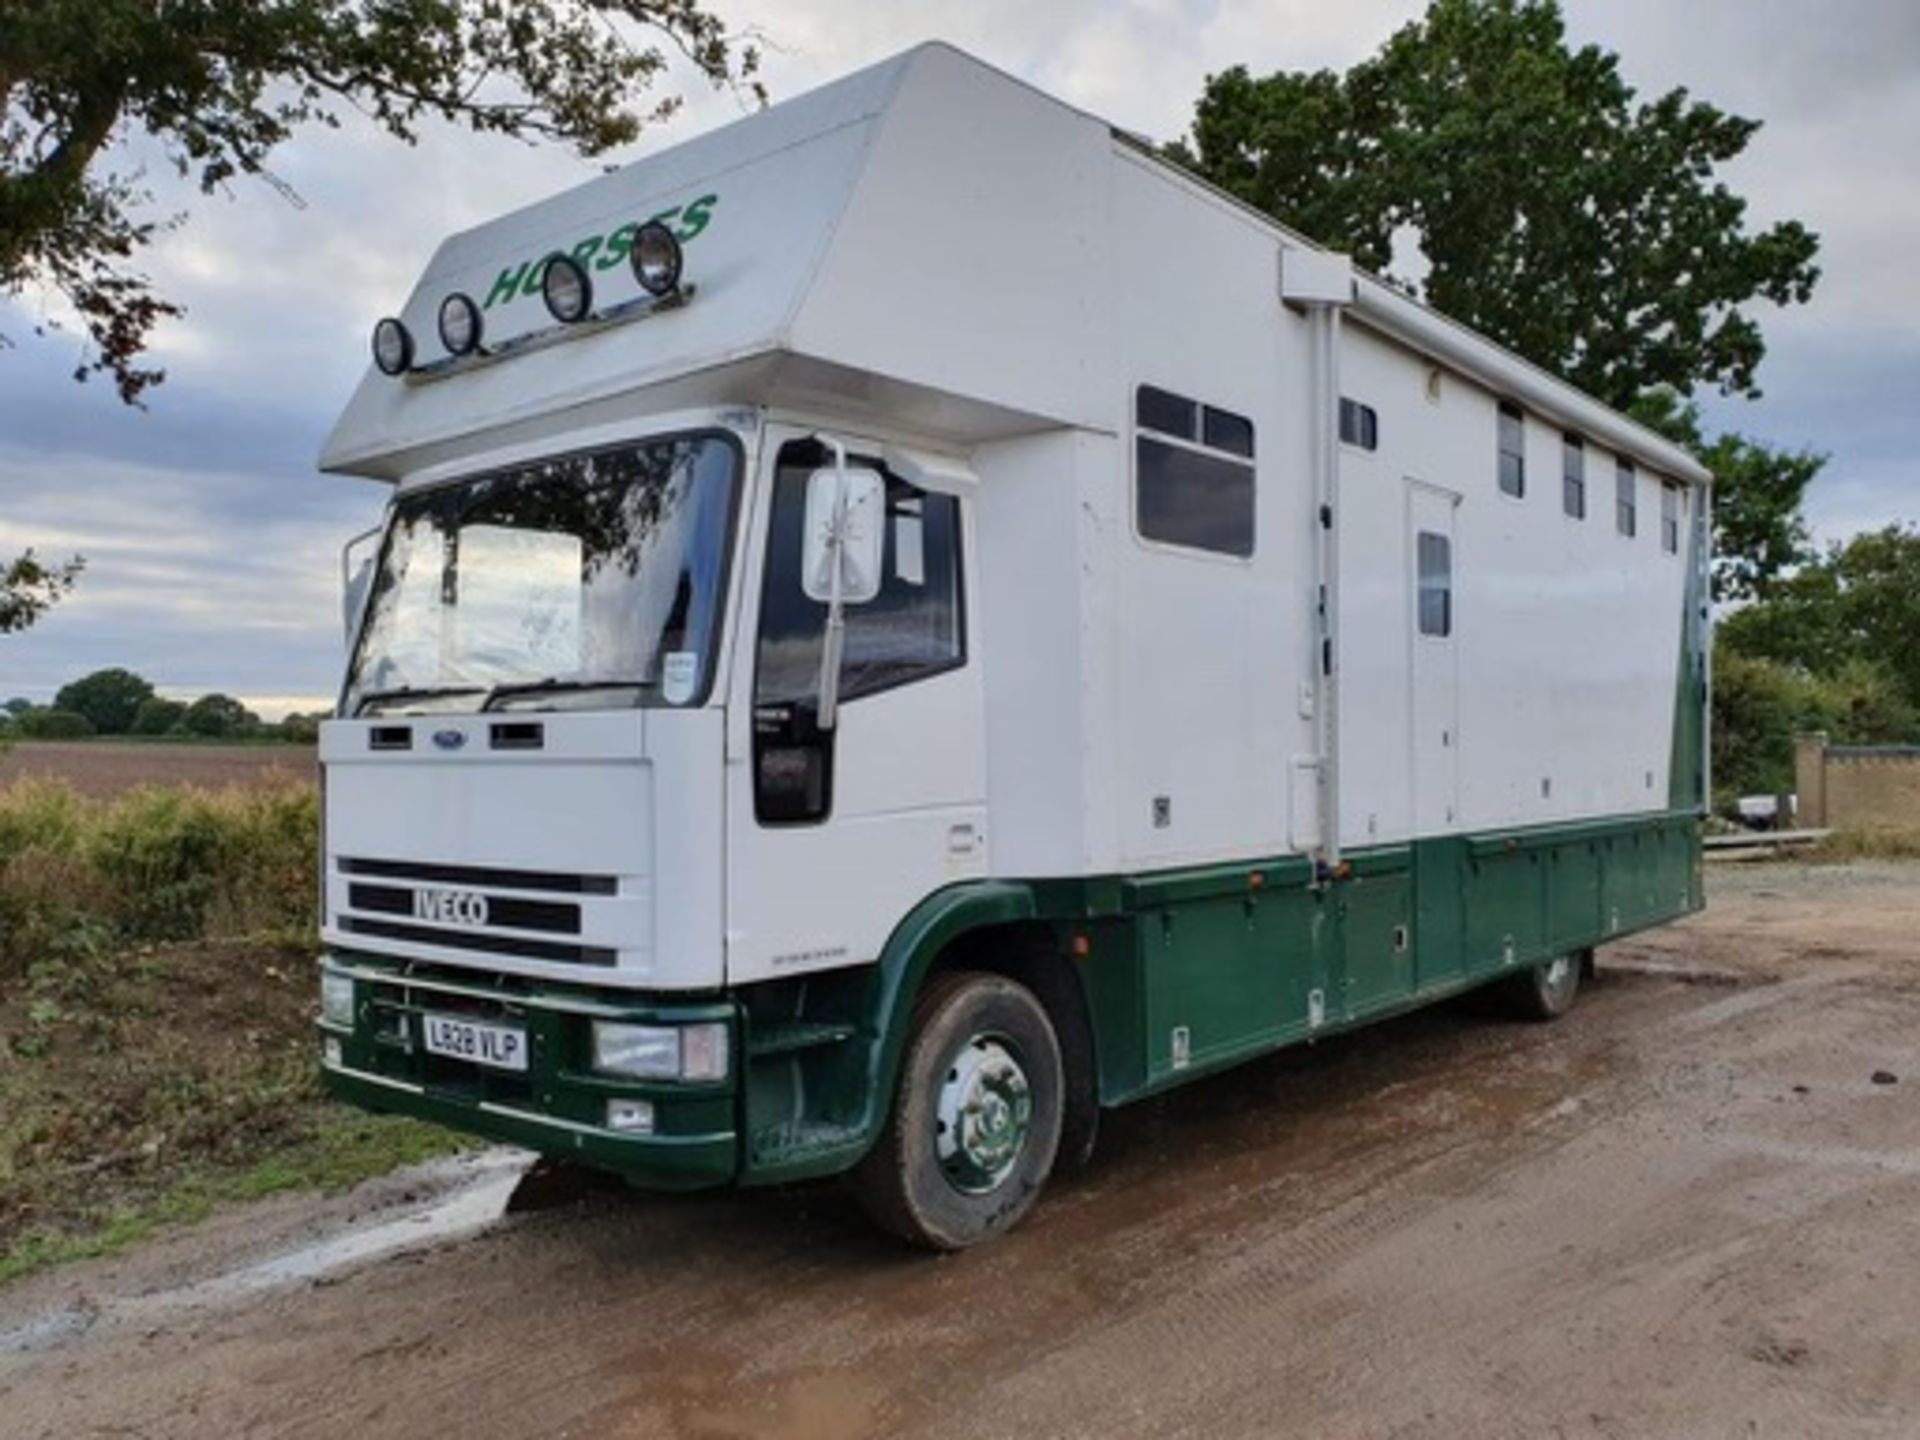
844,549
835,639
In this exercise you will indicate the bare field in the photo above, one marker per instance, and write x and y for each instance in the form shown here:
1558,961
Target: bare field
1690,1209
108,767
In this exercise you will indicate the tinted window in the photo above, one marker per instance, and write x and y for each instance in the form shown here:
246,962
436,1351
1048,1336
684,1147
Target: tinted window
1359,425
1436,584
1670,518
1573,451
1513,451
912,629
1626,514
1229,432
1188,497
1167,413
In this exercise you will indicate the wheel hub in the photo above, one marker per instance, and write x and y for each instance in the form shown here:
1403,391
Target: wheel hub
984,1112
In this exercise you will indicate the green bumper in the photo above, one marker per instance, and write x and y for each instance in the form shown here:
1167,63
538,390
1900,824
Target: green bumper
558,1105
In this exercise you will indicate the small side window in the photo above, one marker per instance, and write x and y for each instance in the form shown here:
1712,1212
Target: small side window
1573,452
1670,517
1435,562
1193,479
1166,413
1626,513
1513,451
1359,425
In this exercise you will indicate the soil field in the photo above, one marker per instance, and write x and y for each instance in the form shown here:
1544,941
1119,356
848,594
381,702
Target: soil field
1690,1209
106,768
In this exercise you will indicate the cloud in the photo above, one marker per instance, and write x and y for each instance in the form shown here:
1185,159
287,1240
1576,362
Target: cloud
214,544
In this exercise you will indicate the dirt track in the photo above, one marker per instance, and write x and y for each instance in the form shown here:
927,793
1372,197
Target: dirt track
1688,1210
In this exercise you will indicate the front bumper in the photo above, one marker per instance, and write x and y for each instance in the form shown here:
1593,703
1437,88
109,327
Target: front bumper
558,1104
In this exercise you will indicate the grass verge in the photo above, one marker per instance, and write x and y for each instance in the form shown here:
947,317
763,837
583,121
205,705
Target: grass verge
142,1088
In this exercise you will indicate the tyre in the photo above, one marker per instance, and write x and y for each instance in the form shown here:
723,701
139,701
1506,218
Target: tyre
976,1117
1545,991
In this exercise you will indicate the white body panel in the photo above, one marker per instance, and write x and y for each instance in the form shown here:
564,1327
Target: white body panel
932,256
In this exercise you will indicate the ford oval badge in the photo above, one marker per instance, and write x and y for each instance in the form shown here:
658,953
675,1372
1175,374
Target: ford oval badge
449,739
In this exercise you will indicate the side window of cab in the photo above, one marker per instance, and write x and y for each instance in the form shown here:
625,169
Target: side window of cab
912,630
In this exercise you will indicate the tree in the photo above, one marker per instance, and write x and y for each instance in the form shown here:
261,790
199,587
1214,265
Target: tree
158,716
298,729
53,725
28,588
110,699
1760,705
19,705
220,84
1554,211
216,717
1856,604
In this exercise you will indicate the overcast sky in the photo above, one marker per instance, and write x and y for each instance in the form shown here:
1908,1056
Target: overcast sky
213,545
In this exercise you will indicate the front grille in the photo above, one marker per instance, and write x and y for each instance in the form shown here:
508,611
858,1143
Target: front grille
482,877
489,944
480,909
510,912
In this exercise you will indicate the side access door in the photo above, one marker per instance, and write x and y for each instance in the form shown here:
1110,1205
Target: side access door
1433,671
833,836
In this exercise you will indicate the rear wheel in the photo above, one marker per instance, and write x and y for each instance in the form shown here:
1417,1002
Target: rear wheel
1545,991
976,1120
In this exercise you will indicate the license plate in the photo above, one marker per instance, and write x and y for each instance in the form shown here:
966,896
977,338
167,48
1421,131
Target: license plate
500,1046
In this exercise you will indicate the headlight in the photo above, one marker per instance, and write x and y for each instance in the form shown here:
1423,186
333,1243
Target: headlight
336,999
661,1052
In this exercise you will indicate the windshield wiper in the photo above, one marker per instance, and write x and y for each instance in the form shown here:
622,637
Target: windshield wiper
553,685
412,692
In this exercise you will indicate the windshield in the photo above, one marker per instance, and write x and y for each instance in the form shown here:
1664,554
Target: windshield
579,582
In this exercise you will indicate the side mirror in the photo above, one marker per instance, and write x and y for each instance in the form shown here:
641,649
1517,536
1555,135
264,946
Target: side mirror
357,559
846,530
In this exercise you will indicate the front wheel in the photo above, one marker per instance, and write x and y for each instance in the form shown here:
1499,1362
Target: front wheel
1545,991
976,1120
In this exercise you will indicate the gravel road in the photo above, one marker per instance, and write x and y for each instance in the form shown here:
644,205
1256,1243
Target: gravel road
1690,1209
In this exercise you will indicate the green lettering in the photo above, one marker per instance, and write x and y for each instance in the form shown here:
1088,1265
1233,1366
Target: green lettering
617,246
508,282
584,252
696,216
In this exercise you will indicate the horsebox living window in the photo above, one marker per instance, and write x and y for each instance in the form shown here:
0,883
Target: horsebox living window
1193,474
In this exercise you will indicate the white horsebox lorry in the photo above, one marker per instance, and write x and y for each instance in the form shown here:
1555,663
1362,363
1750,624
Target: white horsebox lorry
907,620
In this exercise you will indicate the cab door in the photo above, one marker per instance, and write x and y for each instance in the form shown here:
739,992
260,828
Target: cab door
833,836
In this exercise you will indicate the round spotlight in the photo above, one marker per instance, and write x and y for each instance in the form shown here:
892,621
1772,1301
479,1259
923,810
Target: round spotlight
568,291
656,258
460,324
392,347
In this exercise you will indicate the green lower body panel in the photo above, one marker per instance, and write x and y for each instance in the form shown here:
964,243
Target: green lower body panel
1204,968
